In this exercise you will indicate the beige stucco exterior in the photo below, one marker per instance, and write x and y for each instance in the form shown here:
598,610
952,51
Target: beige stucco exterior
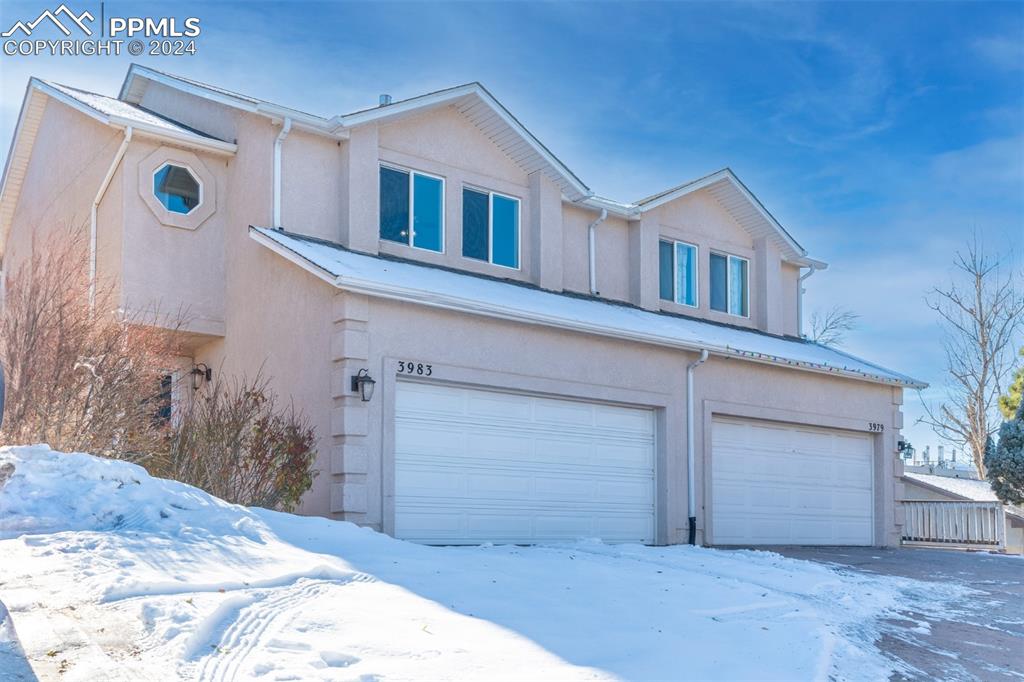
252,311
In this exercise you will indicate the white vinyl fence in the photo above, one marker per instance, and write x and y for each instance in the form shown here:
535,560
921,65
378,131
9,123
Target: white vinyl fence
956,524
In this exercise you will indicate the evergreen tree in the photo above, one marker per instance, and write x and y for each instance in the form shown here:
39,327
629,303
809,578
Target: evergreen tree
1005,462
1009,403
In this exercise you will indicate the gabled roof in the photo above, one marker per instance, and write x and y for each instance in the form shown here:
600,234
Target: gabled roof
471,99
106,110
479,295
138,78
738,201
492,119
496,122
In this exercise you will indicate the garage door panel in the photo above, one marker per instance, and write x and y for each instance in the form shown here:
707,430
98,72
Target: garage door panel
417,398
781,484
500,406
543,469
628,456
625,420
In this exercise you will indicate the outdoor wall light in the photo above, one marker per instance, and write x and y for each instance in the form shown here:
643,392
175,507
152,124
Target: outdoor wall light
905,449
201,373
362,383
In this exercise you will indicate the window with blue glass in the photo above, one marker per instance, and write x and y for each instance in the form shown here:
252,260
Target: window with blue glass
678,272
490,227
412,208
177,188
730,288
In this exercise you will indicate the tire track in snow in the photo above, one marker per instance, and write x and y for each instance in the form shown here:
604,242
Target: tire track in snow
254,614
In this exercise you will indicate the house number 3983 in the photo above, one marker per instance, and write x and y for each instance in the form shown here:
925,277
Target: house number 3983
875,426
407,367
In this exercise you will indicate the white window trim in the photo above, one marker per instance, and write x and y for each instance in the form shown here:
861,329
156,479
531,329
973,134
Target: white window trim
729,258
675,269
412,202
192,172
490,226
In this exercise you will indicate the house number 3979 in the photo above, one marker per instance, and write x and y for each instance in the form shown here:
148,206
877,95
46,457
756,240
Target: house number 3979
406,367
875,426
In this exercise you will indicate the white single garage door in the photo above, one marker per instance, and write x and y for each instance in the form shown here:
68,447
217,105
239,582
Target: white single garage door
477,466
780,484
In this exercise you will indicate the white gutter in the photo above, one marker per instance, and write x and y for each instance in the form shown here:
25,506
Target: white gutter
592,241
286,128
370,287
691,499
95,206
811,269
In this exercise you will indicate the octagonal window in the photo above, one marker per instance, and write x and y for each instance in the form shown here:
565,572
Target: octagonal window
177,188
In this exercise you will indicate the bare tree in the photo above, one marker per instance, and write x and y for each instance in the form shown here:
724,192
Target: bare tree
981,317
79,376
830,328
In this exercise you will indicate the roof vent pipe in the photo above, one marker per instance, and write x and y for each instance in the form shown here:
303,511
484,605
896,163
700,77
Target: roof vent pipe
691,500
592,242
385,100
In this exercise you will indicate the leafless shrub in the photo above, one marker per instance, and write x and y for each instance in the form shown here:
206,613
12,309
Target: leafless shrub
830,328
79,376
234,442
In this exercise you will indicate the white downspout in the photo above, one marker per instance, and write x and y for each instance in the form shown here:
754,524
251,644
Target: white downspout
94,209
691,499
285,129
800,299
592,241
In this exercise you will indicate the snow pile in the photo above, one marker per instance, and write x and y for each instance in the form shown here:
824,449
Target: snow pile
109,573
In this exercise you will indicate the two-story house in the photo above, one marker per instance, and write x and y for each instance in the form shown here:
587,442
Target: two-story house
488,351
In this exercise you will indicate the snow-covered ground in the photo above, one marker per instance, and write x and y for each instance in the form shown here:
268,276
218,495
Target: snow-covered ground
108,573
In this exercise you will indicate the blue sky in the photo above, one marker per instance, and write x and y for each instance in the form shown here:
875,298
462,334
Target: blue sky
879,134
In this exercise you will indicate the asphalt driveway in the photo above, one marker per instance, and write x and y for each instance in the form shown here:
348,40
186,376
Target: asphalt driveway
986,642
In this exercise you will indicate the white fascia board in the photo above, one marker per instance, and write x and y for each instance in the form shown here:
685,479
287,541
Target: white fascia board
18,129
598,204
194,141
398,108
291,256
64,98
729,176
764,213
308,122
198,141
806,262
455,303
471,89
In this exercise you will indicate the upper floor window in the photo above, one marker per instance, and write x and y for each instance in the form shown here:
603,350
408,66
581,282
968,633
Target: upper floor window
730,291
177,188
412,208
678,272
490,227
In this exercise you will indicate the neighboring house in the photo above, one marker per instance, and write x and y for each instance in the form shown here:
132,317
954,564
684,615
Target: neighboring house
529,341
932,488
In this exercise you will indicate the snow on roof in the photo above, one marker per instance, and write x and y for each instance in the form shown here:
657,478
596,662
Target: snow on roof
979,491
110,106
444,288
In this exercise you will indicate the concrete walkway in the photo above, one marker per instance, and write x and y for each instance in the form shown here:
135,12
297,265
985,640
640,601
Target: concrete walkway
985,644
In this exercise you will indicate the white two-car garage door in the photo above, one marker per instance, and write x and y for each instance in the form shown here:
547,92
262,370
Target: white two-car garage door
477,466
783,484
